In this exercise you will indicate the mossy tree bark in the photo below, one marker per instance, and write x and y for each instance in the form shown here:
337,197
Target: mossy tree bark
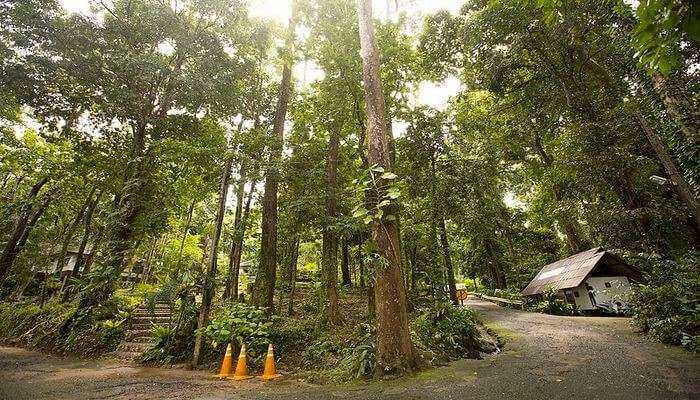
237,247
329,264
345,265
447,257
235,251
394,348
86,235
264,290
13,245
679,184
210,275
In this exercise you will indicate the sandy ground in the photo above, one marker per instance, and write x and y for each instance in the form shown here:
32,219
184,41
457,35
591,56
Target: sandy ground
546,357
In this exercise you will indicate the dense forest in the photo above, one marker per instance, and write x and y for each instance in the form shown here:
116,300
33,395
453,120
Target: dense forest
287,183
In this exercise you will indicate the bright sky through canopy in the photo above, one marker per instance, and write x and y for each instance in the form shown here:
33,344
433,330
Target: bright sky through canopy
429,93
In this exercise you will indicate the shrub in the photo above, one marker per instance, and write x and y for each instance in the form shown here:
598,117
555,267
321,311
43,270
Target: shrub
175,343
170,346
320,349
244,323
668,307
510,294
360,357
550,303
361,360
61,328
291,336
449,330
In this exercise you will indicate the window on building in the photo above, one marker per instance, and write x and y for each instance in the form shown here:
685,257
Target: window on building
576,293
607,284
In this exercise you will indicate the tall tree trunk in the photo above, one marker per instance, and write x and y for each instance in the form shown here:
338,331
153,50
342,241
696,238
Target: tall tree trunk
238,250
435,272
71,231
361,261
80,257
48,198
190,210
98,240
394,347
80,262
680,108
263,293
414,265
497,273
680,185
121,232
237,245
570,231
11,250
235,248
329,264
210,276
240,192
345,266
293,259
448,262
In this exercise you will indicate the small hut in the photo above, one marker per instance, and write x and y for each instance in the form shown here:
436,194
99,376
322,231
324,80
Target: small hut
592,280
66,266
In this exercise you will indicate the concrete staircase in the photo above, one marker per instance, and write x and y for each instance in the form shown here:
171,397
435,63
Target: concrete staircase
138,337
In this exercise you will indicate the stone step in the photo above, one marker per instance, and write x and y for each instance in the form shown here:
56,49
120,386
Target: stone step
143,339
140,313
147,325
158,306
146,319
134,347
154,312
163,306
137,338
137,333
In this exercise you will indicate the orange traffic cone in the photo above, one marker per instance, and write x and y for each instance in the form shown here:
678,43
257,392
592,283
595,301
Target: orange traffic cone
270,369
225,365
241,367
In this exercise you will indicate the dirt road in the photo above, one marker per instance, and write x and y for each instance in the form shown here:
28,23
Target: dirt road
546,357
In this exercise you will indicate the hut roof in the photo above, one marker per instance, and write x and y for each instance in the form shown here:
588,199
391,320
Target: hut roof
572,271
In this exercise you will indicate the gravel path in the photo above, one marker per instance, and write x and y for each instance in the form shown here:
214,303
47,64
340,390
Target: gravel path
546,357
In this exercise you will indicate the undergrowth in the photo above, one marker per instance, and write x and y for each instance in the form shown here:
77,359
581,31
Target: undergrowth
62,329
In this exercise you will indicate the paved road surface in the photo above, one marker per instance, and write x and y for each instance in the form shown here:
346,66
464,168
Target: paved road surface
547,357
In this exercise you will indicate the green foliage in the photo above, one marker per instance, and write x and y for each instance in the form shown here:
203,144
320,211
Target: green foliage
449,331
320,349
244,323
292,337
163,351
360,355
46,328
162,334
550,303
378,184
507,294
538,154
668,308
173,343
664,28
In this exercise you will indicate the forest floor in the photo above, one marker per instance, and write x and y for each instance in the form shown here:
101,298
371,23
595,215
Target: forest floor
545,357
